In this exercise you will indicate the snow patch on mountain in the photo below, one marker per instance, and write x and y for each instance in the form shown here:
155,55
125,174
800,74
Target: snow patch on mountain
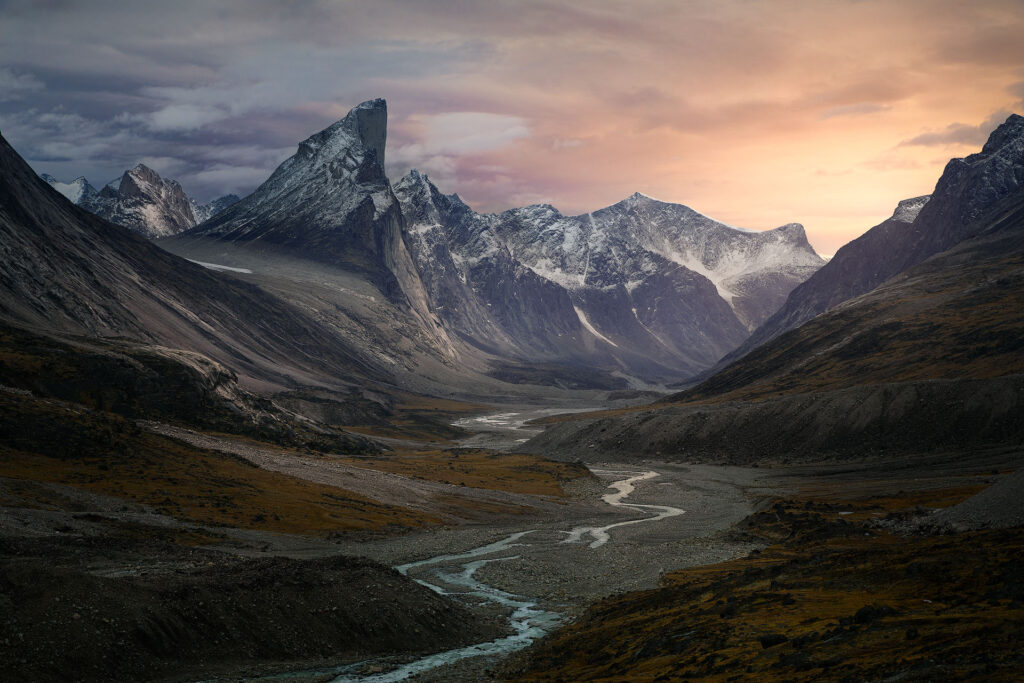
76,190
590,328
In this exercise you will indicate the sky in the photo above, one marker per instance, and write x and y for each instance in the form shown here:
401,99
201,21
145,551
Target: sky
758,114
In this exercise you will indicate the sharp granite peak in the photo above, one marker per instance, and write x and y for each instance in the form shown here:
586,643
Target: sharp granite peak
143,201
324,200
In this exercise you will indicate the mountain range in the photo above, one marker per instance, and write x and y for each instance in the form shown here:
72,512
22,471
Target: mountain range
143,201
918,229
637,292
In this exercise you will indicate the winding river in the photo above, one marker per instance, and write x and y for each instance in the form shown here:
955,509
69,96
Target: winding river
453,574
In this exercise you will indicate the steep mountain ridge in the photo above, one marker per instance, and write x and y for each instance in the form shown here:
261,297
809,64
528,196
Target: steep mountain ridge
918,229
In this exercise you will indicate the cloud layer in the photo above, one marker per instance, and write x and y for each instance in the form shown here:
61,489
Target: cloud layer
756,113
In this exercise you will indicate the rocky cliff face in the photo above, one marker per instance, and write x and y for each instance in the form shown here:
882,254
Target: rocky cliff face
642,287
918,229
330,201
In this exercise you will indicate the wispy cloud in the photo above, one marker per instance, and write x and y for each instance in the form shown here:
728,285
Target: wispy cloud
14,86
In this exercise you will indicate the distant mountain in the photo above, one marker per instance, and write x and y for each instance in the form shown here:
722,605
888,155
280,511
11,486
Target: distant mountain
918,229
642,286
143,201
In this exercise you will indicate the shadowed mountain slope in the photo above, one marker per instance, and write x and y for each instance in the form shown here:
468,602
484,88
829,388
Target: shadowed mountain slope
65,270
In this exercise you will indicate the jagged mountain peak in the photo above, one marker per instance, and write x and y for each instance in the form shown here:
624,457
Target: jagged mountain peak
537,212
140,169
332,202
970,185
415,182
1011,131
142,200
334,185
790,233
143,179
362,133
145,202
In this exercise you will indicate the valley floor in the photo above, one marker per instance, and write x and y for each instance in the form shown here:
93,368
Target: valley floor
506,535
